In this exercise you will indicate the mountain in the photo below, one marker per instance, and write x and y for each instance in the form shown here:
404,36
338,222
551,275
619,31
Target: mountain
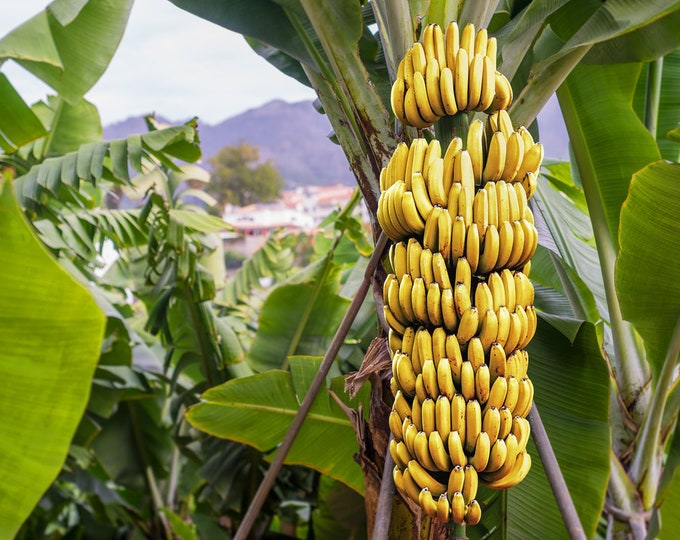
295,137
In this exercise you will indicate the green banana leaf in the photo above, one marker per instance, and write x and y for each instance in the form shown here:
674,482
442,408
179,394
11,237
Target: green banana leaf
650,296
571,382
340,514
609,141
50,331
669,107
18,123
69,48
258,410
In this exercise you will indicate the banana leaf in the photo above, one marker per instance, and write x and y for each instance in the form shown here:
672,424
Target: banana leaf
50,331
258,410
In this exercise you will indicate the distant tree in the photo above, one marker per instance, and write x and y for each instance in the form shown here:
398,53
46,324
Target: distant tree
240,178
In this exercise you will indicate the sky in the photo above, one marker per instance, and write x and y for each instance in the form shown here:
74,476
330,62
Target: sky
169,62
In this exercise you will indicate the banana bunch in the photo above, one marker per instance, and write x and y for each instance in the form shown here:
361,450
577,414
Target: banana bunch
446,73
458,300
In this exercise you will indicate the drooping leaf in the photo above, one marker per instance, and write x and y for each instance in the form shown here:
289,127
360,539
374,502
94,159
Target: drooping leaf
648,293
69,57
50,330
258,410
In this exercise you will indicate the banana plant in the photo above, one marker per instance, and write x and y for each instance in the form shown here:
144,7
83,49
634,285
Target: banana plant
603,359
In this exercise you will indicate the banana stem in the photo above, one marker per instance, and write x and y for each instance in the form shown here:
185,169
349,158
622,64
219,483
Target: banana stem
646,463
318,381
396,30
449,127
653,94
555,478
383,513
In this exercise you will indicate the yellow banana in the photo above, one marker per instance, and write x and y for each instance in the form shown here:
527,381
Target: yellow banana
491,423
512,395
427,411
422,101
427,502
421,196
413,250
443,414
449,316
521,430
481,41
516,475
446,89
488,329
417,406
445,230
460,79
533,157
393,385
428,43
463,274
445,380
464,171
523,324
434,304
509,288
456,479
397,165
523,289
529,183
392,320
418,58
443,508
473,513
498,393
475,353
454,148
398,478
475,148
521,198
530,241
402,455
511,454
465,206
432,84
514,366
468,325
472,246
514,155
423,478
422,456
482,384
473,425
503,201
409,431
410,486
431,232
404,374
490,188
454,195
439,452
495,159
404,297
489,254
438,344
470,483
401,406
506,422
492,50
497,455
412,218
426,269
439,45
467,380
517,245
440,271
385,220
412,112
467,39
398,261
415,161
475,81
430,380
424,346
532,324
480,457
504,323
397,97
502,93
461,295
392,299
452,38
515,333
456,451
419,300
480,210
458,238
394,423
488,84
525,399
497,359
497,290
453,353
394,341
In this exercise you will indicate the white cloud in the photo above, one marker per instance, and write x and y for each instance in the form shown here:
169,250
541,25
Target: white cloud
172,63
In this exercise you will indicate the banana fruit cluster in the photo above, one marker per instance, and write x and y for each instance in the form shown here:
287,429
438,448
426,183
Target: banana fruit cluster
458,299
446,73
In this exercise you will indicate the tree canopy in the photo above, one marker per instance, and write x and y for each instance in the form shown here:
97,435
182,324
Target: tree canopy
239,177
